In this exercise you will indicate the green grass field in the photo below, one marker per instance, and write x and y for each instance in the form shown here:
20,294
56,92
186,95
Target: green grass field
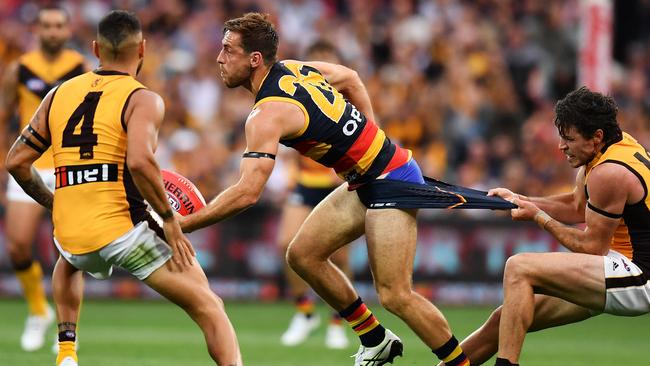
159,334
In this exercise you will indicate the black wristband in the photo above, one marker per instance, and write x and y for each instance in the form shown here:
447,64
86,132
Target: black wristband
166,215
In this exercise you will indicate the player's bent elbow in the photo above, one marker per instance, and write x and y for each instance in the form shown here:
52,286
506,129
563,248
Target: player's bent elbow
138,164
14,165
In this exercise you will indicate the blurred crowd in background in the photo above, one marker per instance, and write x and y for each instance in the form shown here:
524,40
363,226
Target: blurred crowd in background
469,86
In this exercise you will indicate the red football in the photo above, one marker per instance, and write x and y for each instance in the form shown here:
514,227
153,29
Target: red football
182,194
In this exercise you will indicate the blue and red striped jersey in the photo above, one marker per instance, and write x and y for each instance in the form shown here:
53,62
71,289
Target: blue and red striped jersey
336,134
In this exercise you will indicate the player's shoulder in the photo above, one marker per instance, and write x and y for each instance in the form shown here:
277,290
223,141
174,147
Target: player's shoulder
146,97
612,175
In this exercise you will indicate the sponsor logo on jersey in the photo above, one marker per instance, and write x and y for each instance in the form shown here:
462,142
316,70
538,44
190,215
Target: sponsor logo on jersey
80,174
35,85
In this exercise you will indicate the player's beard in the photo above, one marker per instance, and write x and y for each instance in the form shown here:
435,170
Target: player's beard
52,47
233,82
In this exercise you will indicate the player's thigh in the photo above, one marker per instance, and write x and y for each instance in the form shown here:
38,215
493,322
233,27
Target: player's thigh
553,312
22,221
391,235
189,289
336,221
575,277
293,215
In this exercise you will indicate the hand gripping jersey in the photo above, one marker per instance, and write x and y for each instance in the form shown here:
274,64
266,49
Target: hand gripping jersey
632,236
95,200
335,134
36,77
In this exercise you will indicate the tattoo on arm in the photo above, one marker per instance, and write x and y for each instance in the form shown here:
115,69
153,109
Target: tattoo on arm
36,189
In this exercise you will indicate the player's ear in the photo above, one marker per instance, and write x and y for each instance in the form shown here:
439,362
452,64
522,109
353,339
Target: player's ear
598,136
256,59
95,49
143,46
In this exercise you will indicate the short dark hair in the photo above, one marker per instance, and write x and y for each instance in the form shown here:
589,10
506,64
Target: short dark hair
117,26
257,34
324,46
52,8
588,111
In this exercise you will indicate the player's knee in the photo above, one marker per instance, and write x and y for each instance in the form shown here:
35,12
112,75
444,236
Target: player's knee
393,299
516,268
19,253
297,257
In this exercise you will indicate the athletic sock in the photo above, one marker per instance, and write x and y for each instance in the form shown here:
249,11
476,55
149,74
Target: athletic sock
451,354
305,305
31,280
364,324
66,346
504,362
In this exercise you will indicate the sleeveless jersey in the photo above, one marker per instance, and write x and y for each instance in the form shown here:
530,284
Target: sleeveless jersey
313,175
95,200
335,134
632,236
36,77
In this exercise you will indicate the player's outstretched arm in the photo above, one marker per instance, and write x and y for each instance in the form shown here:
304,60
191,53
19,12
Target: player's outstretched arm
348,82
263,132
568,208
30,145
143,118
611,187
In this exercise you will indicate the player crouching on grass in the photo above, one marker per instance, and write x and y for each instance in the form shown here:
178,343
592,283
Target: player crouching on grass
607,269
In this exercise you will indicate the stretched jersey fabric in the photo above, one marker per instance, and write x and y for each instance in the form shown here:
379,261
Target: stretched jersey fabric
36,77
632,236
388,193
95,200
335,134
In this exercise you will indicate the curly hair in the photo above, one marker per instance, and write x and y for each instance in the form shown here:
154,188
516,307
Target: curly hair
257,34
588,111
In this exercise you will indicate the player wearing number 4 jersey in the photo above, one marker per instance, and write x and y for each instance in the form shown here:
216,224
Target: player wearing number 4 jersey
323,111
102,127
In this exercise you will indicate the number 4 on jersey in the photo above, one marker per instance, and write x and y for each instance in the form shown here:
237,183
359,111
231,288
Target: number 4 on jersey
86,140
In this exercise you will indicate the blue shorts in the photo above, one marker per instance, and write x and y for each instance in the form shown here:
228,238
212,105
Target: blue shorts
409,172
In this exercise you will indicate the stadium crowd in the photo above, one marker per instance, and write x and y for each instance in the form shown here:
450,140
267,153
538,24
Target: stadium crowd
469,86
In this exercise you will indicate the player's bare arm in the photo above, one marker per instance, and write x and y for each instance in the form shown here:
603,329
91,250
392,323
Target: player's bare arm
143,118
567,208
611,187
265,125
29,146
348,83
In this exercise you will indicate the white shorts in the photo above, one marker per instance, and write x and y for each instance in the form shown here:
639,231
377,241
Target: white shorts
16,193
628,290
140,251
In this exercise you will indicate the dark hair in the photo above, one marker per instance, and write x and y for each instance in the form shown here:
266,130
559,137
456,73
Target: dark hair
588,111
117,26
257,34
324,46
52,8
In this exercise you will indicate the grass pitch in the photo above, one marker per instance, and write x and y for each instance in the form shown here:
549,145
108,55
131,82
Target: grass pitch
159,334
